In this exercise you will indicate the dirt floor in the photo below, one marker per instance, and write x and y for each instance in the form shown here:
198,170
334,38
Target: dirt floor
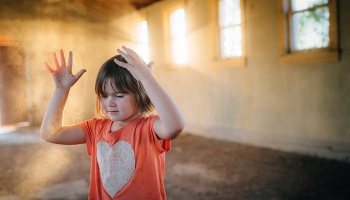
197,168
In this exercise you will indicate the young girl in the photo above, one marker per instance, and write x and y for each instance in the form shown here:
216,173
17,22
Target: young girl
127,158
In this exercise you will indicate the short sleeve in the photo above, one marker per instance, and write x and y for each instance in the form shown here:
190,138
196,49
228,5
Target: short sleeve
89,128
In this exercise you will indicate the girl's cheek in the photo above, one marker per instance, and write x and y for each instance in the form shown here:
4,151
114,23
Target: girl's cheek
103,104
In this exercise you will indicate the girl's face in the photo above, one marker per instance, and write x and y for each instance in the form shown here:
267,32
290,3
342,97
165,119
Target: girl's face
117,106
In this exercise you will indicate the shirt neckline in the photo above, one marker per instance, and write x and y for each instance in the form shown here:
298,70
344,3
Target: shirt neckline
131,122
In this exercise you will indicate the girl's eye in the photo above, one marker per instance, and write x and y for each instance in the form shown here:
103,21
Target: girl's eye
103,96
119,96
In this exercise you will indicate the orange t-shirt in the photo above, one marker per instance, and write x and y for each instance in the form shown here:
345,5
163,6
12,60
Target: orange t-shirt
125,164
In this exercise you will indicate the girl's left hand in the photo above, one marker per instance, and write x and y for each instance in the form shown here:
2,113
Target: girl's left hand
136,66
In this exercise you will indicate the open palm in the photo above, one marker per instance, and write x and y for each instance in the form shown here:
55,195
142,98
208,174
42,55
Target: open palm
62,75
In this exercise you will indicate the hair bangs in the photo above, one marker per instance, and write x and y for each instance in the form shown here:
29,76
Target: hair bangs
121,81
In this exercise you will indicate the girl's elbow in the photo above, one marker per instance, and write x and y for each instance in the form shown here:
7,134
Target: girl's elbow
179,124
181,128
177,130
45,136
176,134
182,125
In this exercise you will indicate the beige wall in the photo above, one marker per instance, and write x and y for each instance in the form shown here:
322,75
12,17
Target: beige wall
39,38
301,108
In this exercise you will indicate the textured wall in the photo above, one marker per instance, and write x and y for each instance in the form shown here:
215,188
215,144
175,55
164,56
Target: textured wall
46,28
303,108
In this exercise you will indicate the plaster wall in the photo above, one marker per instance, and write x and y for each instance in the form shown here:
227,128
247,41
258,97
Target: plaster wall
300,108
39,39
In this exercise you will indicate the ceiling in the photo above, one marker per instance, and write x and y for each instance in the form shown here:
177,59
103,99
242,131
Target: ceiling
90,10
113,8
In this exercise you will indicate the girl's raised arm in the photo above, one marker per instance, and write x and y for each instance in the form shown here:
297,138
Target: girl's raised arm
171,121
51,127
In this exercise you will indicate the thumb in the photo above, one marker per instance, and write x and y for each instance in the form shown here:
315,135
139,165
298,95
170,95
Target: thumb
79,74
150,65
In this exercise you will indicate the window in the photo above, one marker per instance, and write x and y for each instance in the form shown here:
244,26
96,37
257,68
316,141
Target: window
308,31
142,40
175,34
230,30
227,19
178,36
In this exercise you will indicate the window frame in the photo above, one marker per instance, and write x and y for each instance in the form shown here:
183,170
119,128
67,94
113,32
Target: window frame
217,61
167,10
287,56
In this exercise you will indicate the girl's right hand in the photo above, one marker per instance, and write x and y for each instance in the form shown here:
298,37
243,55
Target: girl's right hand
62,75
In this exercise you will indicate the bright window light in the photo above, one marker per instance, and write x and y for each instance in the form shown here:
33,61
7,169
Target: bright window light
142,40
310,24
230,28
178,36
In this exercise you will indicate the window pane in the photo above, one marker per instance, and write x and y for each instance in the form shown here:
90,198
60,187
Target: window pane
142,32
178,36
231,42
229,12
177,23
305,4
179,50
311,29
142,40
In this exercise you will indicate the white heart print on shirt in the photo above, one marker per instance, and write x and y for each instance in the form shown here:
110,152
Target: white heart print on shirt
117,165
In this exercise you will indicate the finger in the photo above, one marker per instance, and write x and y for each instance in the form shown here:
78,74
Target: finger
120,63
132,53
55,60
150,65
63,59
49,68
137,55
125,56
70,59
79,74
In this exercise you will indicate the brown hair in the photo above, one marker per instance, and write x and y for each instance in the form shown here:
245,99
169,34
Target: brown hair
122,81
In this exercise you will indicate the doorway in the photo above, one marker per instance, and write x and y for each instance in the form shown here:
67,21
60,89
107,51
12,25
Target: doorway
13,86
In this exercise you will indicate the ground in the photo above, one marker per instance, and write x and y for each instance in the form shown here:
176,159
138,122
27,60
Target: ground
196,168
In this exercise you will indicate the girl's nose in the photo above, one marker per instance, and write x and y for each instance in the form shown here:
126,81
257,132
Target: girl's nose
110,101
